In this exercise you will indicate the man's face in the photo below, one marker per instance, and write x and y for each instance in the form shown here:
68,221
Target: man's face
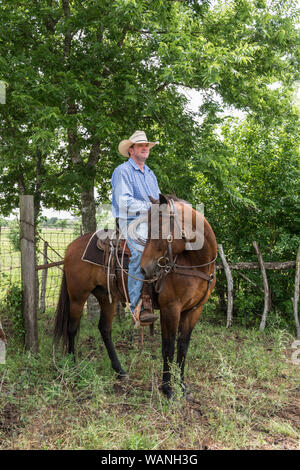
139,152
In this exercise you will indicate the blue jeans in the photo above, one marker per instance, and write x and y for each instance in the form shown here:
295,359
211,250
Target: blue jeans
134,269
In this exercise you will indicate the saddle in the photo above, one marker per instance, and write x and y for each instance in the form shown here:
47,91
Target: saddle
107,243
106,250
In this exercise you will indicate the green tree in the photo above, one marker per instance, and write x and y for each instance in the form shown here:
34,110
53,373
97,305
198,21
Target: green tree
62,223
83,75
265,162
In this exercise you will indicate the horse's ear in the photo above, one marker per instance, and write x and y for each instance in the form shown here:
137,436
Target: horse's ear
163,199
172,196
154,201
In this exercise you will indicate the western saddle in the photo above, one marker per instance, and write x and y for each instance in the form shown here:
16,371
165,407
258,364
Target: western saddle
113,254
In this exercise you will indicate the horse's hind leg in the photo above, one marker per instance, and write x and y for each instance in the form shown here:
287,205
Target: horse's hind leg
76,309
108,311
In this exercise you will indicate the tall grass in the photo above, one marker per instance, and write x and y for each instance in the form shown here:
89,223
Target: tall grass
245,392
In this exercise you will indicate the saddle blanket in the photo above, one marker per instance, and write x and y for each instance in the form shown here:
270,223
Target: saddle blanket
97,252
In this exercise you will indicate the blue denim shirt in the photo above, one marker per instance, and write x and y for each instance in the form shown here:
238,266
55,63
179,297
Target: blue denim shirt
130,190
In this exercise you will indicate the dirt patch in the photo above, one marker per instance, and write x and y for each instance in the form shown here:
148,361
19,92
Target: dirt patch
291,414
9,420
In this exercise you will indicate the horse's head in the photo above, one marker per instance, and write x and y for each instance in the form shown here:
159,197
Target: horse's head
170,229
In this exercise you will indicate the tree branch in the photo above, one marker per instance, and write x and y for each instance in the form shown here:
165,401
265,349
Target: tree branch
125,31
68,35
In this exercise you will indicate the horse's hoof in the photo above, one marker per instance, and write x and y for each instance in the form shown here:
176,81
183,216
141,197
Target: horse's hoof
167,391
122,376
189,396
187,393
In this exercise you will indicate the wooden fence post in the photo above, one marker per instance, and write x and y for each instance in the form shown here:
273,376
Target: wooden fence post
93,307
296,294
229,286
267,298
28,272
2,345
44,280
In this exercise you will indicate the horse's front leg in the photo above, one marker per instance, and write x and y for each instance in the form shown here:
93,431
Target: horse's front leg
186,326
169,324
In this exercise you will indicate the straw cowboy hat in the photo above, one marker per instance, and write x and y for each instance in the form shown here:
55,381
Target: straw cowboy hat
139,137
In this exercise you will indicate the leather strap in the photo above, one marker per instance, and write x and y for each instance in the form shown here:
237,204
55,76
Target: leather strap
191,272
189,310
146,302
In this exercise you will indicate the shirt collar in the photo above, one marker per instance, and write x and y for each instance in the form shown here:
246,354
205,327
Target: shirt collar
136,167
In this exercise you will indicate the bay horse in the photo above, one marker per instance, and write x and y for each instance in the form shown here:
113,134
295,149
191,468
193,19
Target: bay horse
185,279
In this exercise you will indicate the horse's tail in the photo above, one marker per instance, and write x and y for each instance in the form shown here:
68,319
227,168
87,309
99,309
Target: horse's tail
62,315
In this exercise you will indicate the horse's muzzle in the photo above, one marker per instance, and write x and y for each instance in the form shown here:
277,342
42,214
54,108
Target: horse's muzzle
148,271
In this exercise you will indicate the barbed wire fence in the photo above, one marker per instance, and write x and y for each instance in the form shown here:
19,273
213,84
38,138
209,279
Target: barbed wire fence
50,247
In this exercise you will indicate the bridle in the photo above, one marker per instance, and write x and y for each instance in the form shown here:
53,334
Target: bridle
166,264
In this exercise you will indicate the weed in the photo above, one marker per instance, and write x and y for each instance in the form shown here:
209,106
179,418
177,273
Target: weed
13,304
240,381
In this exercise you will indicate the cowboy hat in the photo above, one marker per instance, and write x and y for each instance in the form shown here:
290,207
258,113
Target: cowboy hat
139,137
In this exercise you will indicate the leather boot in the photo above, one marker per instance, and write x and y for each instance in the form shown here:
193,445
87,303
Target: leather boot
146,315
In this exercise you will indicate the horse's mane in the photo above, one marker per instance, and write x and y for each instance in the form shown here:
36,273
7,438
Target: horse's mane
175,198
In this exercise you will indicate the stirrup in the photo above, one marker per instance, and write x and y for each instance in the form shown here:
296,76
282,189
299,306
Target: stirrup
148,318
136,316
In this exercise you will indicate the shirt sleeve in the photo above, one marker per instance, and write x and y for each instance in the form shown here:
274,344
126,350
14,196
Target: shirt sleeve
128,205
155,179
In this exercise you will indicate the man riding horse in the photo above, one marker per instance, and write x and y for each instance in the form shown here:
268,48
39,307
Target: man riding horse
181,253
132,184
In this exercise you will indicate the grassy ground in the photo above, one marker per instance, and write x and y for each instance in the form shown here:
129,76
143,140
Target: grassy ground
246,392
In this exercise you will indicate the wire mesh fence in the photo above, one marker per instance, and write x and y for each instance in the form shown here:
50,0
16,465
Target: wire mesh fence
10,261
50,247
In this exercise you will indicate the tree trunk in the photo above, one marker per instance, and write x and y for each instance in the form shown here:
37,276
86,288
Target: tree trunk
44,280
220,290
88,209
296,294
88,214
267,300
229,286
